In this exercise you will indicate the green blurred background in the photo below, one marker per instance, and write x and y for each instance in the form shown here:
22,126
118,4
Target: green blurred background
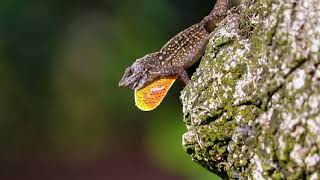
62,115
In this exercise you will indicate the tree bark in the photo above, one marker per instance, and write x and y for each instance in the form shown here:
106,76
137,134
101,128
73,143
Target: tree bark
252,108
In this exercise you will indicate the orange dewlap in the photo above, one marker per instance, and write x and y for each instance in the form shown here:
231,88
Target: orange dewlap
150,96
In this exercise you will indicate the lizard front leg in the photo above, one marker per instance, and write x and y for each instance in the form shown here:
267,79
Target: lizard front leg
183,75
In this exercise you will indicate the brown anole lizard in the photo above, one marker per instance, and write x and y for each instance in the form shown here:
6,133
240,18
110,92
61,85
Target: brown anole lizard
178,54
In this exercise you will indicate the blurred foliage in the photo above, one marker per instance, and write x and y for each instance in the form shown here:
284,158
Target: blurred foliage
163,138
60,63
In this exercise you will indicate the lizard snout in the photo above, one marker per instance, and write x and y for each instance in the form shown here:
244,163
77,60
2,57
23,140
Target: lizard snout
128,79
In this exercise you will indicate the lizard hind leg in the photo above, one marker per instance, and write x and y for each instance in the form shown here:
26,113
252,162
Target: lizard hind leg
218,13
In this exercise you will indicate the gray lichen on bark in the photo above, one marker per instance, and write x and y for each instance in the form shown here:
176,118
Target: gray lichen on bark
252,108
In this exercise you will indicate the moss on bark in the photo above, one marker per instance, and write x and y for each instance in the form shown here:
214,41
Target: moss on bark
252,107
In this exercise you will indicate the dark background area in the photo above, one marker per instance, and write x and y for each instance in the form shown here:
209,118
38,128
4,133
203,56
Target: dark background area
62,115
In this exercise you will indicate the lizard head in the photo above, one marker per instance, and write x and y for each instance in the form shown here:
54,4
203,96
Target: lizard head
138,74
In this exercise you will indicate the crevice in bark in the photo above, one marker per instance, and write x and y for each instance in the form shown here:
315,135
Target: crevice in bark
271,93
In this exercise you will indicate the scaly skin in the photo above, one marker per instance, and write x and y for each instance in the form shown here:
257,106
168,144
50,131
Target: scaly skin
177,54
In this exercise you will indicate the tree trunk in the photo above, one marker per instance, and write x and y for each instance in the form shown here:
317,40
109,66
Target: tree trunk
252,107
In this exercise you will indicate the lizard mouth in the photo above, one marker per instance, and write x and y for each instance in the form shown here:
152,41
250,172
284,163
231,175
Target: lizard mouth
130,81
134,77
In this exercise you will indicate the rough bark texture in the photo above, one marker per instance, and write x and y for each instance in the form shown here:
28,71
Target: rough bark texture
252,108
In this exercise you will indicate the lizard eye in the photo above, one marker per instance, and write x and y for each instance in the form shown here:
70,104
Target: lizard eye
129,71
